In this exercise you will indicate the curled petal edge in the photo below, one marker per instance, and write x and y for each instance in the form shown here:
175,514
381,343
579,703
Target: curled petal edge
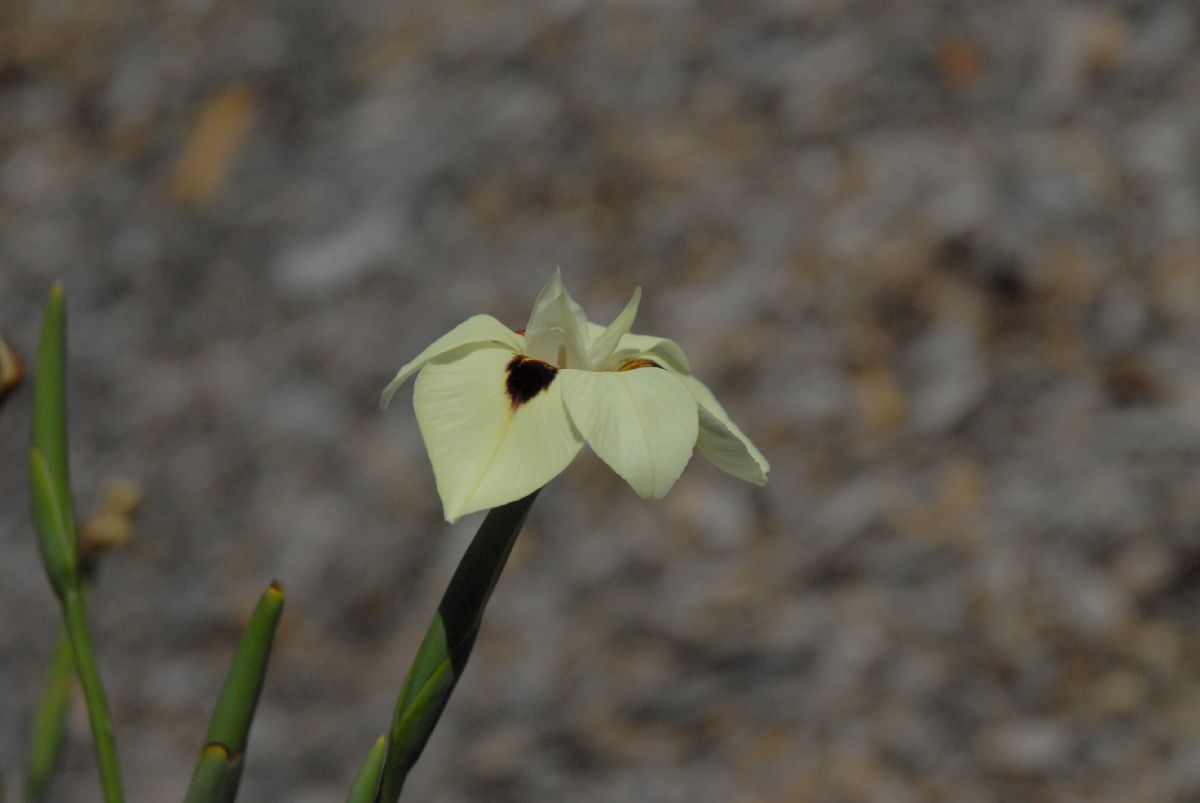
722,441
474,330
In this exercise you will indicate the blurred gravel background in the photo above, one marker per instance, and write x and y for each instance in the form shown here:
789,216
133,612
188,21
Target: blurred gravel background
940,259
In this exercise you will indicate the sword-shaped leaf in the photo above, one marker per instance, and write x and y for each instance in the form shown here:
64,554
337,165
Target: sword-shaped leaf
216,777
366,783
50,720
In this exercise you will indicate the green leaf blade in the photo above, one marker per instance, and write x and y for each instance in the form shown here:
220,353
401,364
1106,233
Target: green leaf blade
366,782
49,481
49,405
50,720
53,525
216,777
233,714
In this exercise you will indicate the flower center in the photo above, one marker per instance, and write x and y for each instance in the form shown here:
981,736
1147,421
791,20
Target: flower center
527,378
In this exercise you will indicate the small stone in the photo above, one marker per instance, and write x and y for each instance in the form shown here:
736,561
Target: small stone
1121,692
1033,746
500,750
719,512
948,376
1145,568
880,401
316,267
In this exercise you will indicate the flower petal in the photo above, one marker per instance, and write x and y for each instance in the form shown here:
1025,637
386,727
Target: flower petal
659,349
476,329
642,422
604,344
550,293
558,330
721,441
488,444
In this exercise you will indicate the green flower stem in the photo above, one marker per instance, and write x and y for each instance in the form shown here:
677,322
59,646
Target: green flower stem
218,772
75,615
54,521
366,783
443,653
50,719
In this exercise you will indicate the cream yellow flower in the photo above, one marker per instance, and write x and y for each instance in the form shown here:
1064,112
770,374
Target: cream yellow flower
503,412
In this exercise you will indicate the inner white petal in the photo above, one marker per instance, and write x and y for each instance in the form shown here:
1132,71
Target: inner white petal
557,330
604,344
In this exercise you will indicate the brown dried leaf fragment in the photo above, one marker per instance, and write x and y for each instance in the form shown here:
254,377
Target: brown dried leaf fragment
111,526
11,371
217,137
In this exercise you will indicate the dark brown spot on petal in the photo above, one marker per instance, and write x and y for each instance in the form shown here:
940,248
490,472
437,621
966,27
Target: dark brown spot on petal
629,366
527,378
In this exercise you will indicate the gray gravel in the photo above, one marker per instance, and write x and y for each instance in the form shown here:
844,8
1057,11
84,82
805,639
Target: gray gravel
942,261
